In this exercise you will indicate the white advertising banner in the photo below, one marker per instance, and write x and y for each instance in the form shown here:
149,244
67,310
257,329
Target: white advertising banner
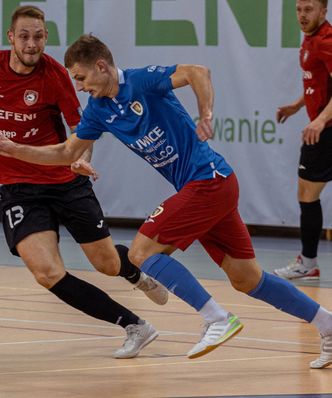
251,48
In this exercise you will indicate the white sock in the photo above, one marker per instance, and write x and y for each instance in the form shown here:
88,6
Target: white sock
309,262
212,312
323,321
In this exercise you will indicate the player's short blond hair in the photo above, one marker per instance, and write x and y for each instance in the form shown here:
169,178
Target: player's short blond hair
86,50
27,11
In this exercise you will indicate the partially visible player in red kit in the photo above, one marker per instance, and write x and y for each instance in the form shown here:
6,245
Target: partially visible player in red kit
34,91
315,165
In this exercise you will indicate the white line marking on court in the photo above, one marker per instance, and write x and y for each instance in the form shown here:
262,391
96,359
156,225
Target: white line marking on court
161,333
23,288
84,325
276,341
61,340
181,363
83,339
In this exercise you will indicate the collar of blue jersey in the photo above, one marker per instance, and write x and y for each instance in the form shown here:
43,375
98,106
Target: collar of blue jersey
121,76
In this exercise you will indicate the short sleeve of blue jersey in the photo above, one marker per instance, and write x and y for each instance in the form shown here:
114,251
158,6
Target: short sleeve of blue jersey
153,78
88,127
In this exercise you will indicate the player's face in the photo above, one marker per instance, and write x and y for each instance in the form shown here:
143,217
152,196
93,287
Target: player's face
310,14
28,40
99,79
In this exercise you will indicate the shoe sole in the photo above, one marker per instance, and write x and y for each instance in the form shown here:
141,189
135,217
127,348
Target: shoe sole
146,342
298,278
326,364
210,348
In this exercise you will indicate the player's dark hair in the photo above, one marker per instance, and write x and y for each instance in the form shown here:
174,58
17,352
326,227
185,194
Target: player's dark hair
27,11
324,3
86,50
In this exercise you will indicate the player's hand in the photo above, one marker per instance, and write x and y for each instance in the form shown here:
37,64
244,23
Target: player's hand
312,131
204,129
6,146
283,112
84,168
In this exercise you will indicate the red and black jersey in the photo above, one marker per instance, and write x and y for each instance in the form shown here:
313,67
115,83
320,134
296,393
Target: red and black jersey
316,62
31,108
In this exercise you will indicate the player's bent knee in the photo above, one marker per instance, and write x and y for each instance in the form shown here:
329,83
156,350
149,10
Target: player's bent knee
110,268
48,279
137,257
242,285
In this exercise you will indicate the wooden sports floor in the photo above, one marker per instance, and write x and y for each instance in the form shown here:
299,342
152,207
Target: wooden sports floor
48,349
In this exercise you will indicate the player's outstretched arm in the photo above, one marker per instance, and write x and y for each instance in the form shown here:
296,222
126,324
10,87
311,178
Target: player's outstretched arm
198,77
283,112
59,154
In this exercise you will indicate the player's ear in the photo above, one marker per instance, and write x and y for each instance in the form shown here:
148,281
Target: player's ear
10,36
101,65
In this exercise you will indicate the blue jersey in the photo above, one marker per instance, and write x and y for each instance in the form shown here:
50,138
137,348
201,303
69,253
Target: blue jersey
148,118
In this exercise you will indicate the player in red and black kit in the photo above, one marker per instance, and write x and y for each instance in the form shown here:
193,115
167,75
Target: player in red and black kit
34,91
315,166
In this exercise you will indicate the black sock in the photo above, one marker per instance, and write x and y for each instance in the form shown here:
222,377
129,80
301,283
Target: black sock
311,227
128,270
92,301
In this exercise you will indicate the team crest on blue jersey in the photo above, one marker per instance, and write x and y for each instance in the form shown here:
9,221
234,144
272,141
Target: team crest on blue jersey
137,108
30,97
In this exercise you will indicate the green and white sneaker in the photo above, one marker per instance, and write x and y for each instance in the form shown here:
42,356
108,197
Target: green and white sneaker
215,334
138,336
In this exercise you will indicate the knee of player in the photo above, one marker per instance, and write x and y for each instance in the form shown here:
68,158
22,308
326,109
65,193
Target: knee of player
48,277
246,282
137,256
108,265
240,284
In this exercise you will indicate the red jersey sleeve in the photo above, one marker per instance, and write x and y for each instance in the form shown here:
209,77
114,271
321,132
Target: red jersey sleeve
325,51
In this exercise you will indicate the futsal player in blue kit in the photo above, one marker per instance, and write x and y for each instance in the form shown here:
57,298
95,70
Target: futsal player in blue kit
138,106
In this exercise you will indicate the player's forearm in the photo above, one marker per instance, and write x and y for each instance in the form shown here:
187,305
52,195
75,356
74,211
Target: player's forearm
46,155
299,103
326,114
200,82
198,77
87,154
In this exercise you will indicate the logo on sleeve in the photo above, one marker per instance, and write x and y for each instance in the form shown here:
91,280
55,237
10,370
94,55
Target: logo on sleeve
155,213
305,56
30,97
137,108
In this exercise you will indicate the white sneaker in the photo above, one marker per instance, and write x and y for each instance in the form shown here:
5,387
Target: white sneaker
215,334
296,270
325,358
138,336
152,289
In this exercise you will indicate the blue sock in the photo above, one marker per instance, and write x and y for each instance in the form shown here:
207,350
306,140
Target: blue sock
177,279
285,297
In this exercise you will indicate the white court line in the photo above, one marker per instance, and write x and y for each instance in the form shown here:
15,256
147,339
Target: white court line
69,340
23,288
84,325
181,363
275,341
161,333
29,321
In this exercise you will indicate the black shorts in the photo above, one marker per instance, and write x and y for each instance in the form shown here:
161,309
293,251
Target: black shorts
316,160
30,208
